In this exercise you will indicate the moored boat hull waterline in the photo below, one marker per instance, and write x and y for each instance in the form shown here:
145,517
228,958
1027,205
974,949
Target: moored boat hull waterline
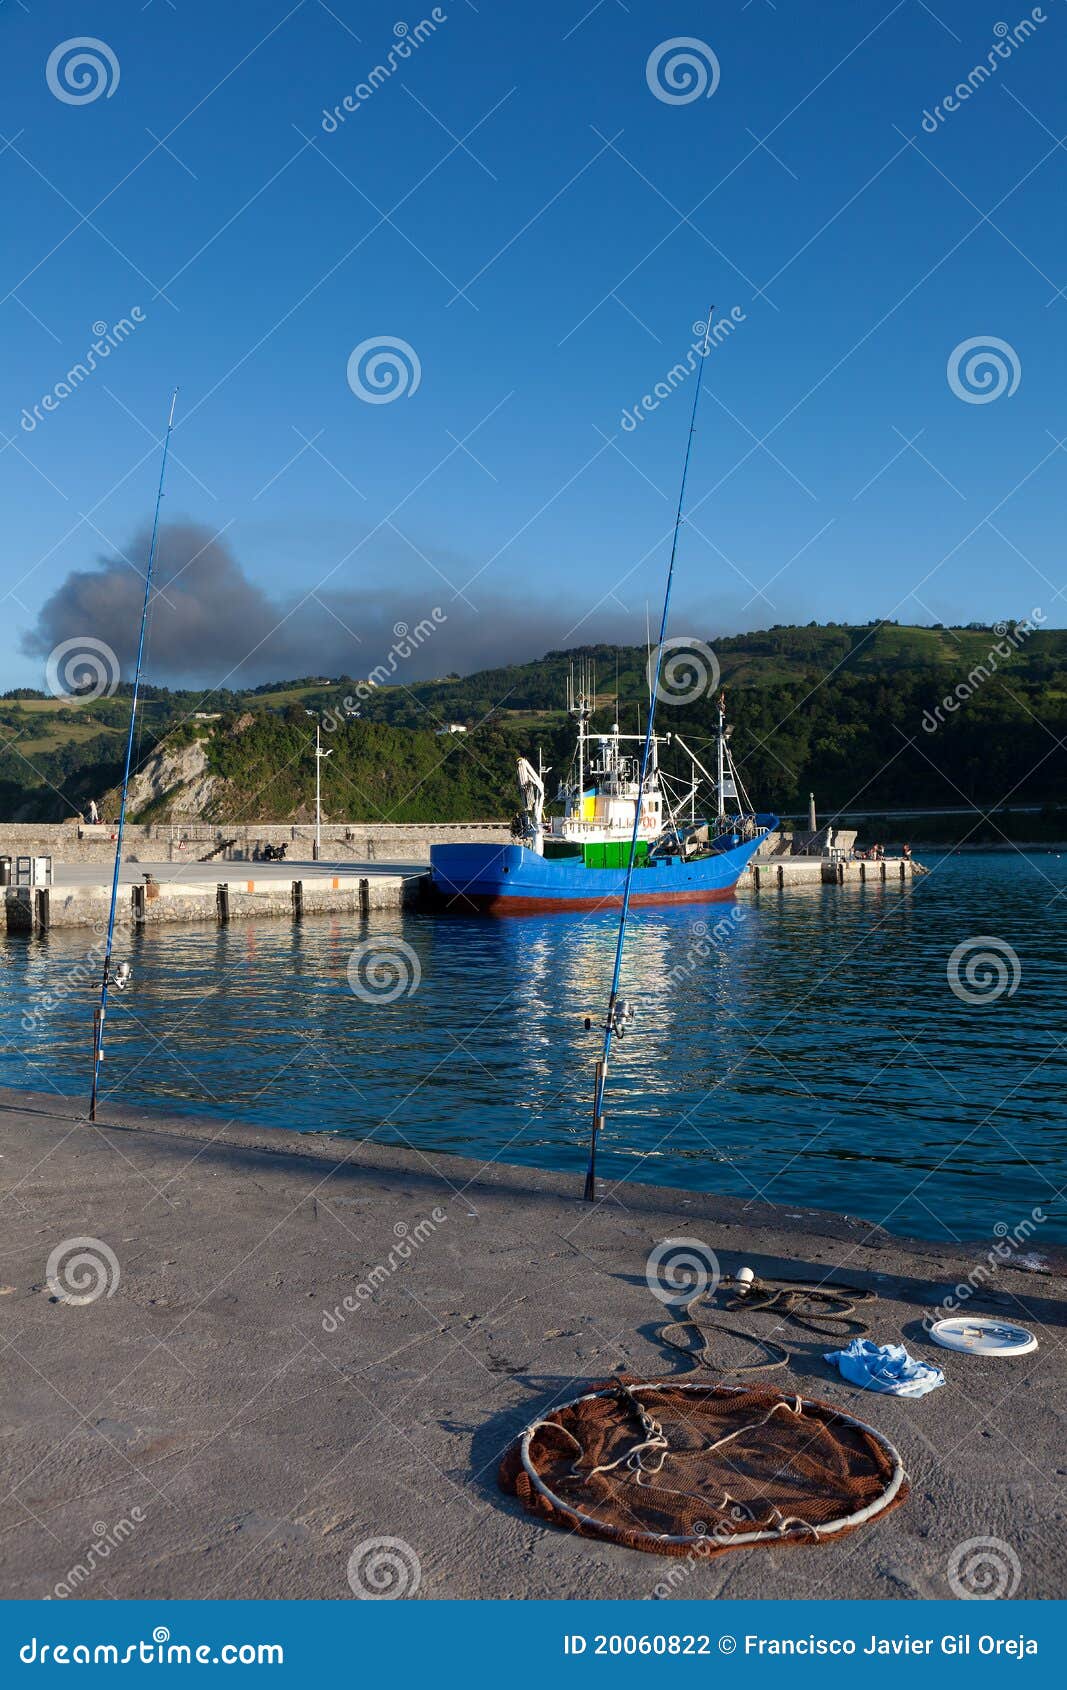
513,880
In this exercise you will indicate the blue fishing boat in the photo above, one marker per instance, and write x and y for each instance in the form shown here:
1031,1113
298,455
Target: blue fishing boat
579,859
622,837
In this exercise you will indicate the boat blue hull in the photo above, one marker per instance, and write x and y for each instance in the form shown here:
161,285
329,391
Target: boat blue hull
510,880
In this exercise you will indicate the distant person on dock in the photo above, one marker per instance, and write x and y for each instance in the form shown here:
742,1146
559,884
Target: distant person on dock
905,851
94,813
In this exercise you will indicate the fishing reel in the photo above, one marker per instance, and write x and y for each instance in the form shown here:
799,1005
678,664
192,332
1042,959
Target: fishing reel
118,976
622,1015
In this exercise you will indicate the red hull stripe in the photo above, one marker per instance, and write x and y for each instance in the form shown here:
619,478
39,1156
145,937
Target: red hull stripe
490,904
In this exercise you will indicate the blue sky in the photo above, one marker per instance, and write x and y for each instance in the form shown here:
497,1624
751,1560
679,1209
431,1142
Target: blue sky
515,203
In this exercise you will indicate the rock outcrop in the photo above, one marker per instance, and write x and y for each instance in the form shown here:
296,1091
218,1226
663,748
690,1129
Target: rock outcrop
174,785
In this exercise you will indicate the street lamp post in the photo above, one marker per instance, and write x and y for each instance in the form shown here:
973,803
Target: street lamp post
319,755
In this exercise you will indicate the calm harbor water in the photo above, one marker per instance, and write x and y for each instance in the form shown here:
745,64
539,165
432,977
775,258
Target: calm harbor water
806,1049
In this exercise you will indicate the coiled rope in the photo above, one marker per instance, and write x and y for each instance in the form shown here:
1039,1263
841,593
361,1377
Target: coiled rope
826,1308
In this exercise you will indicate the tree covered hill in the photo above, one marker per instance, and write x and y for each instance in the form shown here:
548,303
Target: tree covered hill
855,714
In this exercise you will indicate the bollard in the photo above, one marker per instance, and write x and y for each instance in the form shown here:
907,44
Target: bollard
137,902
44,913
222,902
298,900
364,897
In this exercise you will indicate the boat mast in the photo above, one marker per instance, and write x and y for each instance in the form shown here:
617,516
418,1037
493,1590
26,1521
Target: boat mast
721,785
648,750
581,705
577,708
105,977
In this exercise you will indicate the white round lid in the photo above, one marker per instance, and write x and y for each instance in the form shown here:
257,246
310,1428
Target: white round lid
983,1337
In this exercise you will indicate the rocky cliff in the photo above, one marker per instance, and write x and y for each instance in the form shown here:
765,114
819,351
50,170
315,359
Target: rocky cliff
173,785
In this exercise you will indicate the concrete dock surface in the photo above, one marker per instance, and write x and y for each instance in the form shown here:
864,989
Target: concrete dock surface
80,897
292,868
200,1415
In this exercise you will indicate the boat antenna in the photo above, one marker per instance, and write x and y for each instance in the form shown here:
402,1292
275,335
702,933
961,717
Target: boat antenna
106,978
600,1083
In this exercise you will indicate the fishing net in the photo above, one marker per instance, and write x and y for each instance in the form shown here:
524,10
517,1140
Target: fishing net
681,1467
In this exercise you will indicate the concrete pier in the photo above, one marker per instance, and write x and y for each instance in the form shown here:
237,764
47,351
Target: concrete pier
184,892
263,1380
186,888
784,873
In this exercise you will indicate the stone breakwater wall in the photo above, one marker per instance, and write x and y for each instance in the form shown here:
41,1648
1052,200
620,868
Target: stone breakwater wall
166,842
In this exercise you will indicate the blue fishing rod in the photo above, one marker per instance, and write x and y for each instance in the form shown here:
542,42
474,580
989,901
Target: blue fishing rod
106,978
612,1022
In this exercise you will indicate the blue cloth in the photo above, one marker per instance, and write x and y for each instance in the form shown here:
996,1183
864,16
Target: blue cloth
887,1368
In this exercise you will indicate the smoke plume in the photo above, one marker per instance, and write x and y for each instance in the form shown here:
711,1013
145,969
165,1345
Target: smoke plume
212,626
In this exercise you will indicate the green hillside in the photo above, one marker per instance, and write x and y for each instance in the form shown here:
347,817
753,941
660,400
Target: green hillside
835,709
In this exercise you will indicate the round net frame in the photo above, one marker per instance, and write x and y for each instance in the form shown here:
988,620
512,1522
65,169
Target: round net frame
680,1467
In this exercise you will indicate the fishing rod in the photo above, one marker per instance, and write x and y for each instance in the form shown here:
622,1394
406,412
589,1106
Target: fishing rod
106,978
612,1022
